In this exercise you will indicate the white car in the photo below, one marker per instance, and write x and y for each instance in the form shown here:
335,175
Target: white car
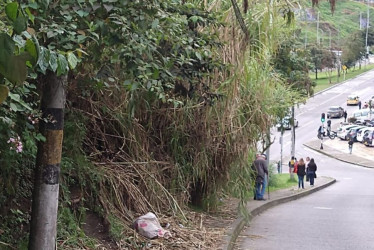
361,132
286,123
343,131
361,115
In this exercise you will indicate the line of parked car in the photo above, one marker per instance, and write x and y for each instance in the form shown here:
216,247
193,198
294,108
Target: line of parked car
358,133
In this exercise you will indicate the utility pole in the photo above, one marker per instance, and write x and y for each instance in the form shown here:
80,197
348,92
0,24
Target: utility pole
360,20
367,30
293,130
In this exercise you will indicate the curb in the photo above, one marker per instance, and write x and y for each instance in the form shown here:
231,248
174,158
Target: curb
337,158
242,221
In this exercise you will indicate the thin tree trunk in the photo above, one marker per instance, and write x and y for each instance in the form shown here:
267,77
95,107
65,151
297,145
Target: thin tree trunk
316,73
47,170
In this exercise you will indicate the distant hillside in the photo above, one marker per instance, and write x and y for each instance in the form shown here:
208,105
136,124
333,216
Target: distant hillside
344,21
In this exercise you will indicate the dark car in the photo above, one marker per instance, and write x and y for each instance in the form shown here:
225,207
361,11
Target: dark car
368,139
335,112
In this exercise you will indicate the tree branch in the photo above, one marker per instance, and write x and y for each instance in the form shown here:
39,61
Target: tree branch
240,18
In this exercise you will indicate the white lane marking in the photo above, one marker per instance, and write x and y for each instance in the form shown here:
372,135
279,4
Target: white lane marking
323,208
306,124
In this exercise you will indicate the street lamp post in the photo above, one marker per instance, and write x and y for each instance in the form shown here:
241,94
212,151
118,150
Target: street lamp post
367,31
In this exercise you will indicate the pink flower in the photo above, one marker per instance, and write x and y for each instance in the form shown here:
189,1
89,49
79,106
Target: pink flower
16,144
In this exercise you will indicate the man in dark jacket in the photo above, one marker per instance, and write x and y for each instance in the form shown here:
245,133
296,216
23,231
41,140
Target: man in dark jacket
261,168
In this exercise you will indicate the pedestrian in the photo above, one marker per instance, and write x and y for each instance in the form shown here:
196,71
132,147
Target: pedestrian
311,172
307,160
345,115
301,172
350,145
291,165
266,179
359,104
328,128
260,168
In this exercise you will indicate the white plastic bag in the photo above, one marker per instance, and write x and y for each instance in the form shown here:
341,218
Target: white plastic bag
148,226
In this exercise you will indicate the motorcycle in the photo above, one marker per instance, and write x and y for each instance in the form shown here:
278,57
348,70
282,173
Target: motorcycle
330,134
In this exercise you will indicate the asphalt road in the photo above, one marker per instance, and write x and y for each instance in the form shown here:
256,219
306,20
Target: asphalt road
338,217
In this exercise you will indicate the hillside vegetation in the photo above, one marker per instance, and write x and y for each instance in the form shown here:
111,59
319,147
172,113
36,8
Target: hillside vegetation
342,23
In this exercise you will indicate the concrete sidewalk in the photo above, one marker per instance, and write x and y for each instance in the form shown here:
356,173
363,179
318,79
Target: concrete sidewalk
254,208
338,149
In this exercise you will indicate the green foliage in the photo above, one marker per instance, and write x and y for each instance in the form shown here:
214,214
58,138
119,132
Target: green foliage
69,232
116,228
354,50
293,63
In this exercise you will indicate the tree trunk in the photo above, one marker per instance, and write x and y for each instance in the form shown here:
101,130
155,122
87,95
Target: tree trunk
47,170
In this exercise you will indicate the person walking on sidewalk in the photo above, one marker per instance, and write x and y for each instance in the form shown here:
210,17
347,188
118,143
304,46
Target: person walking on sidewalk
345,115
350,145
301,172
311,171
291,165
307,160
359,104
261,169
266,178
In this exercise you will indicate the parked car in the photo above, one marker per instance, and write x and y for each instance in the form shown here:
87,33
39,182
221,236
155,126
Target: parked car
353,100
369,138
363,116
352,133
335,111
370,123
286,123
343,131
361,133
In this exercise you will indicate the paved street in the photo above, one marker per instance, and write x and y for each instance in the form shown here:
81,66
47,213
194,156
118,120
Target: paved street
338,216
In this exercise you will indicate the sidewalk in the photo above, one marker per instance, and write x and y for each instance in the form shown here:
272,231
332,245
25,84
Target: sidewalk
338,149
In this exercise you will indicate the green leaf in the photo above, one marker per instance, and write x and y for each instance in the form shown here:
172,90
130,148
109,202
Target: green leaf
44,59
63,66
194,19
53,61
14,97
15,69
31,47
13,107
72,60
198,55
6,47
155,23
40,137
4,91
20,25
11,10
30,15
